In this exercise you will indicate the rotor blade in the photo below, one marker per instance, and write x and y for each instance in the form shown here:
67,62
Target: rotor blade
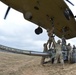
8,9
70,2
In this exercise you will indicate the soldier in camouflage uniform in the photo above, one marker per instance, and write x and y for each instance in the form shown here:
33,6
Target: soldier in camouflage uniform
59,55
69,49
63,43
51,37
74,54
44,50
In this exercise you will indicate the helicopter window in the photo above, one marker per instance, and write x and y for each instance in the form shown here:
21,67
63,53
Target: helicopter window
66,29
35,7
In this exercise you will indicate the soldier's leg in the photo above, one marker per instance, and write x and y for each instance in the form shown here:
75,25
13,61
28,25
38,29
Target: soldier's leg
49,44
62,60
42,60
68,58
56,59
71,57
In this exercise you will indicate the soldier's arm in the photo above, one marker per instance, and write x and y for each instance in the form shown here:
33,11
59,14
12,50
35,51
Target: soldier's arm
47,42
54,42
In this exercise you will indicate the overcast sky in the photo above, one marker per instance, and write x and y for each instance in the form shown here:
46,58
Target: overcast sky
16,32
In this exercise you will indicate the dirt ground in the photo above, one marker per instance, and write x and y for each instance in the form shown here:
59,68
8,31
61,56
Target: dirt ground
17,64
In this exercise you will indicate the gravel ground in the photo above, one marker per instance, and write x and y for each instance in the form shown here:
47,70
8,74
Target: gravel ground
17,64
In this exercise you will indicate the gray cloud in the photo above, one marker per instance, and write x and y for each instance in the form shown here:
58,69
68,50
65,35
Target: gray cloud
21,35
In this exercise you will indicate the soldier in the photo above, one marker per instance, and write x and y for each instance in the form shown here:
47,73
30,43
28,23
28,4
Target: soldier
69,49
51,37
74,54
63,40
59,55
44,50
63,43
74,47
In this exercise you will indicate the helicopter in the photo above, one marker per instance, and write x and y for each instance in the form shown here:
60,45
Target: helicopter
45,14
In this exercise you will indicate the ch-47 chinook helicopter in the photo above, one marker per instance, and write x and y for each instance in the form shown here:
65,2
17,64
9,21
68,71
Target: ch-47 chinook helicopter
44,13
